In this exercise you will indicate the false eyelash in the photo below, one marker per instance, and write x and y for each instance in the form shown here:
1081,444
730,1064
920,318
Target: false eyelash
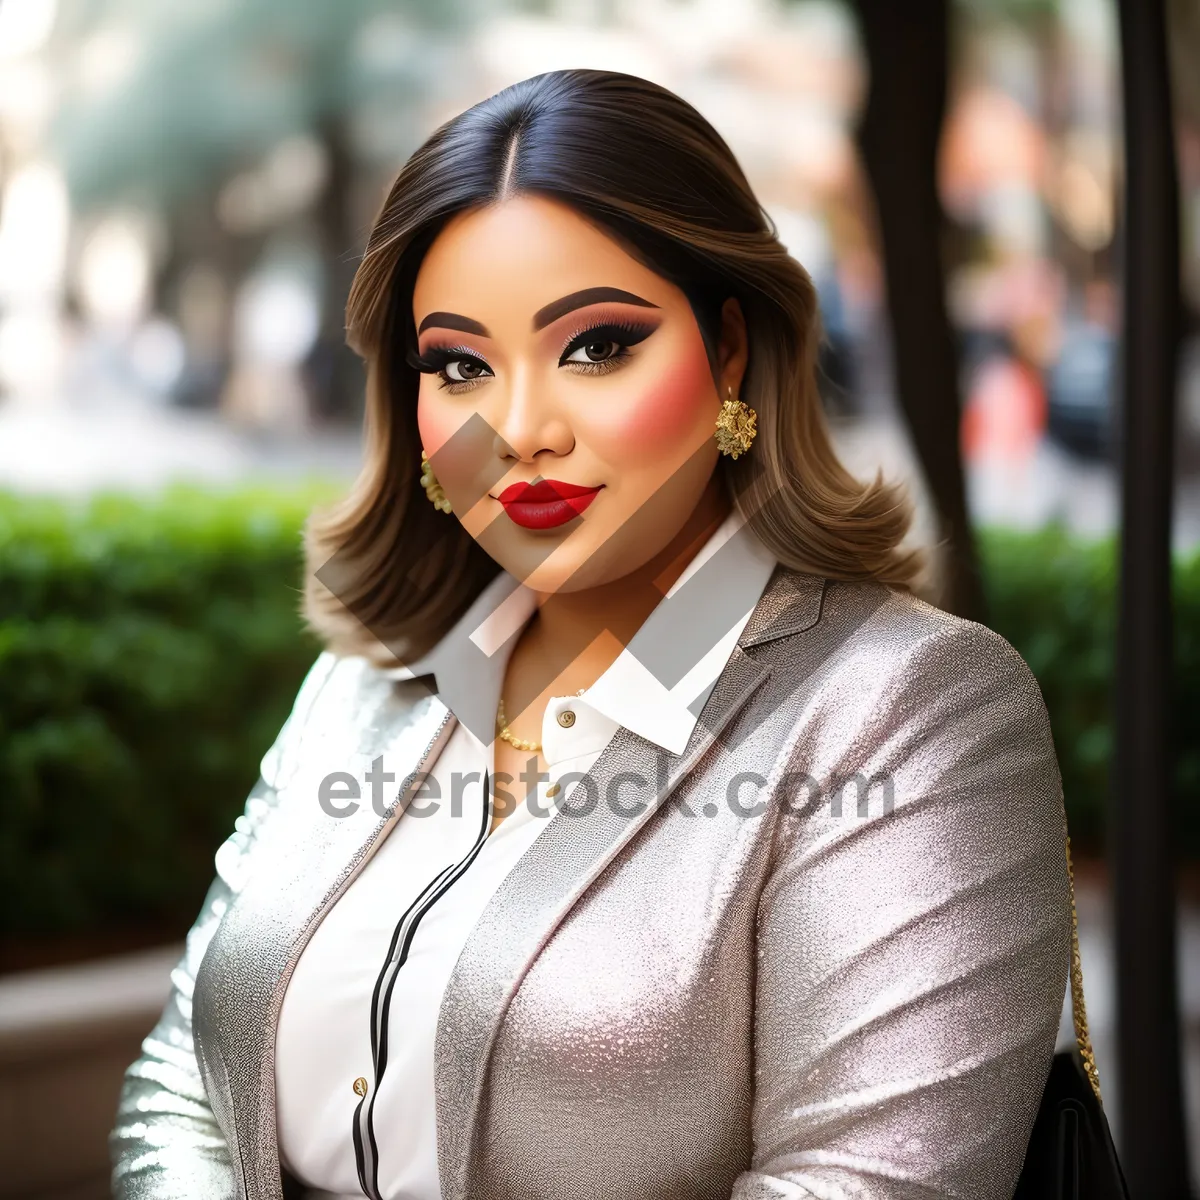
624,333
436,358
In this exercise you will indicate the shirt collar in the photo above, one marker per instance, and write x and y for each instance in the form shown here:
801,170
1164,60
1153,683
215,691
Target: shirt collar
658,684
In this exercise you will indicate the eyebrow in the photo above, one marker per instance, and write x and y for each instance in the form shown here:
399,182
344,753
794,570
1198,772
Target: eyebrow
594,295
544,316
447,320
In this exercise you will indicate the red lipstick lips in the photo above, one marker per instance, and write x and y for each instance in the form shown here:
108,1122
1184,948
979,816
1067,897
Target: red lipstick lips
546,504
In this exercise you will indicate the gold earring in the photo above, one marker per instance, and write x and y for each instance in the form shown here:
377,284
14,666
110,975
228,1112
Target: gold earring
736,426
433,489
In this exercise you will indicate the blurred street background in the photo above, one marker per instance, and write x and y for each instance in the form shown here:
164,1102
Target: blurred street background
185,190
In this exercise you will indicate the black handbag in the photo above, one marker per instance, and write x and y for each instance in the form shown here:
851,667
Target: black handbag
1071,1155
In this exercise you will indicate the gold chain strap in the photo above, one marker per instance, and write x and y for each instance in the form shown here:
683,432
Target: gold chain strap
1078,1010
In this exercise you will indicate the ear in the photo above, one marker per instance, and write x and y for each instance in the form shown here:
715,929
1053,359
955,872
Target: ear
733,348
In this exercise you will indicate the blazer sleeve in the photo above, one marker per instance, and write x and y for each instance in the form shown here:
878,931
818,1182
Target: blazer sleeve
913,958
166,1141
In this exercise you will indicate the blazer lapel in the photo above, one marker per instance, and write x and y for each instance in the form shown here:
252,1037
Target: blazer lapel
562,863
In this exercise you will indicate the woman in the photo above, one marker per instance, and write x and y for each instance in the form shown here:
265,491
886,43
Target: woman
639,834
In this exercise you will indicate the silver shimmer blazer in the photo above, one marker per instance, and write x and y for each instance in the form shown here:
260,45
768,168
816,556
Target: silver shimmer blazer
822,953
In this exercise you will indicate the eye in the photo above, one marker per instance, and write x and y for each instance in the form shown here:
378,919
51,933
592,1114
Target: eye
599,348
598,351
462,370
457,369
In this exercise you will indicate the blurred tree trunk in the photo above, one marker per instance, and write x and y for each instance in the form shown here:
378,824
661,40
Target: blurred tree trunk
335,371
1144,836
197,238
907,49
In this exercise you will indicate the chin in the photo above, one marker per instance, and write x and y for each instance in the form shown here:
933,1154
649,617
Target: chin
551,577
569,568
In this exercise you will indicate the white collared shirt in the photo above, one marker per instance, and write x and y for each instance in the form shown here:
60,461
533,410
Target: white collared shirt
362,1004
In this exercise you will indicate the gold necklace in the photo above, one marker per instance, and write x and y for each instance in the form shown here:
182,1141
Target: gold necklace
506,735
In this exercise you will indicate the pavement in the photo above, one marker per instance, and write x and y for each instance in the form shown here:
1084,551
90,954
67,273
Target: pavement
138,445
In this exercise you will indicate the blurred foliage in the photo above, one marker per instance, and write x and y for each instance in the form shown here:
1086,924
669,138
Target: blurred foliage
1053,596
160,99
150,651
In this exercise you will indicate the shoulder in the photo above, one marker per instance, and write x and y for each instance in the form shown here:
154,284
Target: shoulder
912,643
338,693
879,662
941,712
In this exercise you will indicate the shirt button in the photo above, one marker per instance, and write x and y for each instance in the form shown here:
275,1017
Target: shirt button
553,790
566,718
360,1086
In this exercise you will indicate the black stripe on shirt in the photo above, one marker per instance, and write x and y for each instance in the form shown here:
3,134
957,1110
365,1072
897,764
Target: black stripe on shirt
366,1149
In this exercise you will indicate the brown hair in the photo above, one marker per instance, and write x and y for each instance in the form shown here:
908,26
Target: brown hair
384,566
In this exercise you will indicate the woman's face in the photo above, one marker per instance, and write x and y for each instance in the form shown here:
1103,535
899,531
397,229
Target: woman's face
551,357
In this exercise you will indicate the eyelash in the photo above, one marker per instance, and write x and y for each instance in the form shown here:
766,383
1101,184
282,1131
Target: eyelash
623,333
436,359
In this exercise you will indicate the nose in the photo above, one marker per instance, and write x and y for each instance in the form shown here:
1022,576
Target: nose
530,423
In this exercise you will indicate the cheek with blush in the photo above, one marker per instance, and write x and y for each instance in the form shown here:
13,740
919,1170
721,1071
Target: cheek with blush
665,417
461,446
436,425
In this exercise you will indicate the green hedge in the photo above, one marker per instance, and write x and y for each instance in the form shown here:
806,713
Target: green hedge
150,650
1053,596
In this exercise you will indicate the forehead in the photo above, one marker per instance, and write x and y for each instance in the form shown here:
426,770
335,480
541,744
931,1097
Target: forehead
521,254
